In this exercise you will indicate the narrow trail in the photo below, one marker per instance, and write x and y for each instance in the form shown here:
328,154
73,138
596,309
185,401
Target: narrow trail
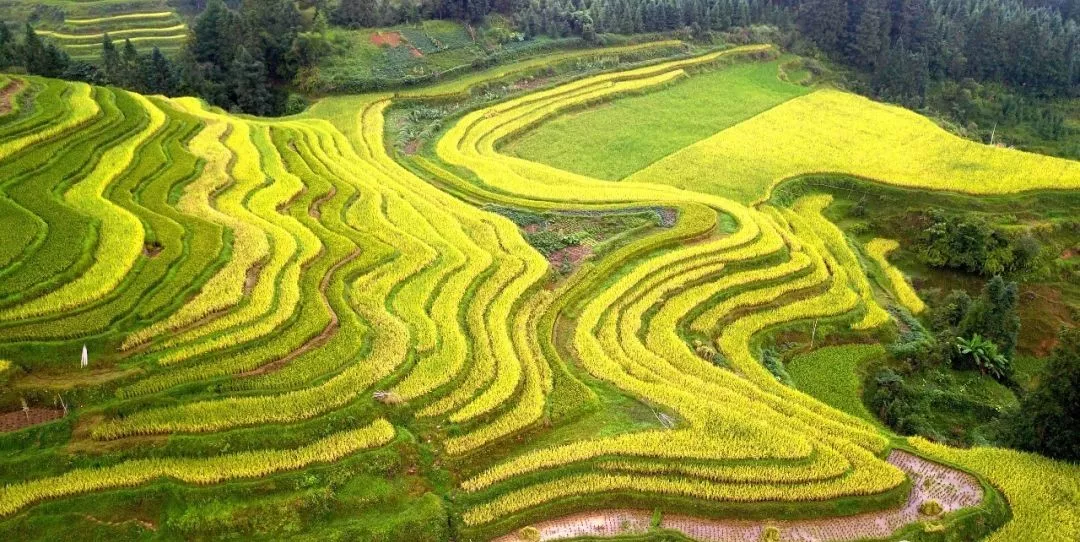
318,340
951,488
7,93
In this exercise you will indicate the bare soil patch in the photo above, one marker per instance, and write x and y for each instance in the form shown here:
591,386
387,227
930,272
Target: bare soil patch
151,250
392,39
13,421
952,489
252,277
315,211
7,94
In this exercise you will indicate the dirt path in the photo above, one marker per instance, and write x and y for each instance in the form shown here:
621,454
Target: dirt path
951,488
13,421
7,93
319,339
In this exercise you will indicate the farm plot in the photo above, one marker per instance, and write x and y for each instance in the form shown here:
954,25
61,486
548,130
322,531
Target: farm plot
613,140
830,131
274,295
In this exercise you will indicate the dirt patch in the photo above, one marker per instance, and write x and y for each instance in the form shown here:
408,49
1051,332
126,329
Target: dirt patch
321,338
952,489
531,83
570,258
7,94
1043,313
412,147
416,53
13,421
151,250
315,211
1068,253
252,277
391,39
147,525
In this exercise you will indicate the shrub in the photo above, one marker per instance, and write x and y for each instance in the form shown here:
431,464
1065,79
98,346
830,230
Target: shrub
770,534
529,534
930,508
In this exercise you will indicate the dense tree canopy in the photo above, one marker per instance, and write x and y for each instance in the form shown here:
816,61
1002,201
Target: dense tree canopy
1050,415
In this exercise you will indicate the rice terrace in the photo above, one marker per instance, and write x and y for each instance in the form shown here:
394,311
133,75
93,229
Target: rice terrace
531,270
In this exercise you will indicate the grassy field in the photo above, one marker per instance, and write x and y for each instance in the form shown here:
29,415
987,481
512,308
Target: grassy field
613,140
835,132
291,331
833,376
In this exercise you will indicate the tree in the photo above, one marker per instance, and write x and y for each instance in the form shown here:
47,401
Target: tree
984,354
158,74
7,46
110,60
1049,417
40,58
215,35
354,13
823,22
994,316
129,61
270,27
871,37
250,88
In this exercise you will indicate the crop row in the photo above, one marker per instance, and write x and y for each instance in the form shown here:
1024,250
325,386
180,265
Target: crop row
195,470
607,334
879,249
121,234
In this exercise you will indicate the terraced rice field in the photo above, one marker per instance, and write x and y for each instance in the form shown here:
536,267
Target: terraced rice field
282,299
148,24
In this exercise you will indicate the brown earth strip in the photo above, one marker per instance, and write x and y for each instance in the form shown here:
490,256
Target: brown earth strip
317,340
8,93
951,488
315,211
13,421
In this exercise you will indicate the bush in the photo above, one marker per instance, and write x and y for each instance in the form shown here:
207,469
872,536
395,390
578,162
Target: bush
770,534
931,508
530,534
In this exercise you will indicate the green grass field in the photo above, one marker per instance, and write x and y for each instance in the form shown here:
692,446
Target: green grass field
292,331
833,375
613,140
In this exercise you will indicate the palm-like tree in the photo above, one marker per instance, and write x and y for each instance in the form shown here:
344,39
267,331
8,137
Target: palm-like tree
985,354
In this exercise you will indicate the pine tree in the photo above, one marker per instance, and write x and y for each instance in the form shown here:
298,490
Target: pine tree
250,87
354,13
129,61
158,74
7,46
823,21
216,34
871,34
110,60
